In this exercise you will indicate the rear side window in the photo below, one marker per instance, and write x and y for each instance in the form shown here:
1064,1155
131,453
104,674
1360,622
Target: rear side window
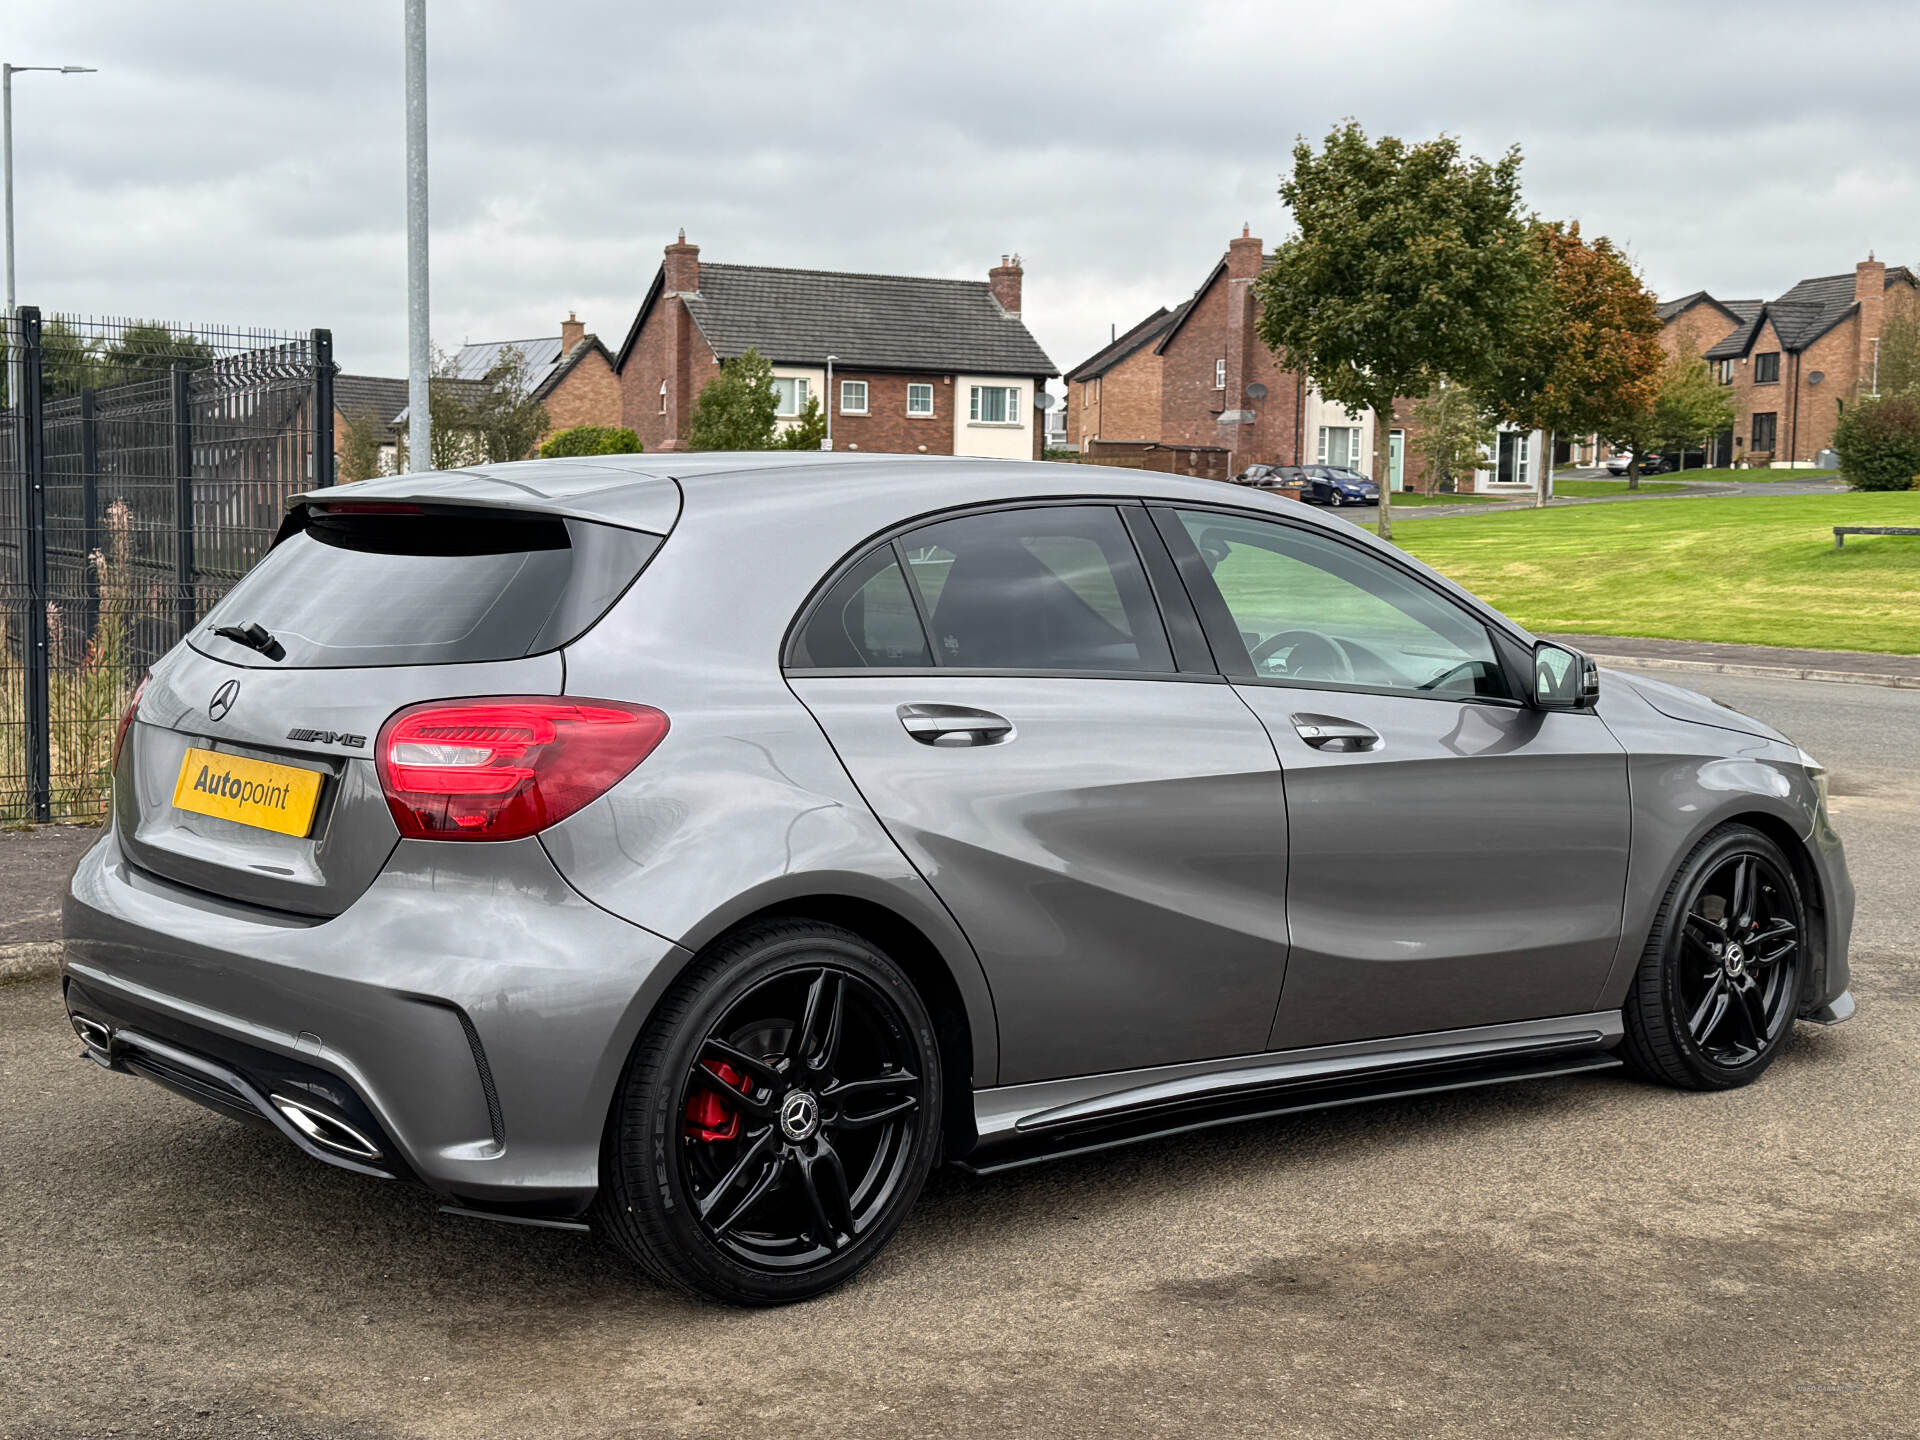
1057,588
427,588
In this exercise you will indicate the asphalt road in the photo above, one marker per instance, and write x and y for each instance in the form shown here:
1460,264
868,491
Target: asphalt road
1581,1257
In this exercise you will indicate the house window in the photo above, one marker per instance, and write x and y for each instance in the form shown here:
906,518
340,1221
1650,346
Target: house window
1766,368
663,397
1766,429
919,399
789,395
853,397
1340,445
1723,371
995,405
1220,374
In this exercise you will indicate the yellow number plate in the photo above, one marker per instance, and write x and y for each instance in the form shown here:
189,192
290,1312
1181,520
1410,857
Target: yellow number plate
270,797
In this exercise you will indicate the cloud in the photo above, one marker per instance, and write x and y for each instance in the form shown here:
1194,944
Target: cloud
243,162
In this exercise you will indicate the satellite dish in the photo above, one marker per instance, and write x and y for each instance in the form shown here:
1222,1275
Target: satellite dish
1816,377
1256,391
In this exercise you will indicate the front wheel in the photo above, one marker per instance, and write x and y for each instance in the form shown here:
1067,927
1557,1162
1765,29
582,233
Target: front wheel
1333,499
777,1120
1719,981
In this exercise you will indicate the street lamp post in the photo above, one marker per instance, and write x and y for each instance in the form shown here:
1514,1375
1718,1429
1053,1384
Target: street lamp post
419,326
7,72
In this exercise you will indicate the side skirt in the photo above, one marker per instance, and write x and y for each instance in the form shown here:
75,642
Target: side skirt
1051,1119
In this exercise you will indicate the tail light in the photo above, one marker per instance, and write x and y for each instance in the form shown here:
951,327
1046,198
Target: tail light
503,768
126,721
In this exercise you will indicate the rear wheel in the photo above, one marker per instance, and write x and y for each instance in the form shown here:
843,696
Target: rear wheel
1719,980
777,1120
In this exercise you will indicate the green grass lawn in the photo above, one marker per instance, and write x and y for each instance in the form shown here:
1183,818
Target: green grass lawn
1586,489
1417,498
1760,477
1756,570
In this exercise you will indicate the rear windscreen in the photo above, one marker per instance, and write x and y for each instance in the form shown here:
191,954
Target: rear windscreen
425,589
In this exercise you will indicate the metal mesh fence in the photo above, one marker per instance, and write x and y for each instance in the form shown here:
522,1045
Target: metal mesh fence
144,467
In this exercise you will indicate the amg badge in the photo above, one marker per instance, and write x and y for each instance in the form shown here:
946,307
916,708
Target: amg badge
327,737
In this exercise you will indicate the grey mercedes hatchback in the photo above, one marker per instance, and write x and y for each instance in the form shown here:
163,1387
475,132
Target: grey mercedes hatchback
700,848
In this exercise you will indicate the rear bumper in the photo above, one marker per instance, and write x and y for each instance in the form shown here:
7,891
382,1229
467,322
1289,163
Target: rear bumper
469,1015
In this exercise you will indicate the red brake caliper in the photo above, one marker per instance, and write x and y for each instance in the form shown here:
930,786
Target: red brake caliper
708,1116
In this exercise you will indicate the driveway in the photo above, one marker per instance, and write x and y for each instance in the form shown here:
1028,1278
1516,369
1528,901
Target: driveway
1585,1256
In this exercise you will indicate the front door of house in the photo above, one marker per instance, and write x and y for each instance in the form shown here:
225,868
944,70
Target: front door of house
1397,459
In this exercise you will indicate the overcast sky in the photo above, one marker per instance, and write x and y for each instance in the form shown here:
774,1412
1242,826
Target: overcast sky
243,162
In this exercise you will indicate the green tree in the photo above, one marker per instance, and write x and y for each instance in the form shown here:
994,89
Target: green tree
501,411
591,440
359,457
1450,429
1690,406
1411,263
1879,442
808,429
147,350
1585,356
736,410
1899,357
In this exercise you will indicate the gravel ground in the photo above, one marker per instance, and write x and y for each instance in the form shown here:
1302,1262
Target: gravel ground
1576,1257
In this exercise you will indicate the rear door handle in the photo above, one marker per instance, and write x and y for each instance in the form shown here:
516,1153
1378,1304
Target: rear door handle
1330,732
955,726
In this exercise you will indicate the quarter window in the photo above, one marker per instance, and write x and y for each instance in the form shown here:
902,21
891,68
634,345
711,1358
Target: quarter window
1766,368
919,399
853,397
1312,611
1058,588
867,619
995,405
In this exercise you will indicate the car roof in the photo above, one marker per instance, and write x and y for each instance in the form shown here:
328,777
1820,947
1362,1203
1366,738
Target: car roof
865,492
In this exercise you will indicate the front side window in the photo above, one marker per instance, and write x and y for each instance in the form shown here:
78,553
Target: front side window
1311,611
1723,371
919,399
1766,368
789,395
853,397
1765,430
663,397
1057,588
1220,374
995,405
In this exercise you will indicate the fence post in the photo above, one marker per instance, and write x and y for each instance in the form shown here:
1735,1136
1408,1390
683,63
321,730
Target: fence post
33,497
322,408
90,501
183,573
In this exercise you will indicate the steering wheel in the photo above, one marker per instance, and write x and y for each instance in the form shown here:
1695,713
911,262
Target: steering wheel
1311,656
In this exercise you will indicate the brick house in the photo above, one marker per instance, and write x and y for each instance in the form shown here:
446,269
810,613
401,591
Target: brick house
373,400
941,367
570,373
1200,375
1795,363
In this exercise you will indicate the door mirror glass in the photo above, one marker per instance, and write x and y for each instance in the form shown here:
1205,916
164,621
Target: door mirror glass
1563,679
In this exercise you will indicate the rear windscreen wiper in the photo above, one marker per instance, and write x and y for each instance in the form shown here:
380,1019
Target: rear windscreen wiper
254,636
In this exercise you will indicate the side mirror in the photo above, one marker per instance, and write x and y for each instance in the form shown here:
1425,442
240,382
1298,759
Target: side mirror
1563,679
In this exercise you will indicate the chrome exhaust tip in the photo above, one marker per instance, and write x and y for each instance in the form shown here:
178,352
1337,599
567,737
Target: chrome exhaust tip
324,1130
93,1034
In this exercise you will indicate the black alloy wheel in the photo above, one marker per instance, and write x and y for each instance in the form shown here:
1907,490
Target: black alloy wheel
788,1102
1719,983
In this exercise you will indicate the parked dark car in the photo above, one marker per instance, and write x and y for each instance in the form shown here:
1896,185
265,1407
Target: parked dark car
699,847
1269,477
1336,485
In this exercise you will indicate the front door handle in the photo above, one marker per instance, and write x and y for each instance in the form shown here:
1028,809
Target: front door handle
954,726
1330,732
